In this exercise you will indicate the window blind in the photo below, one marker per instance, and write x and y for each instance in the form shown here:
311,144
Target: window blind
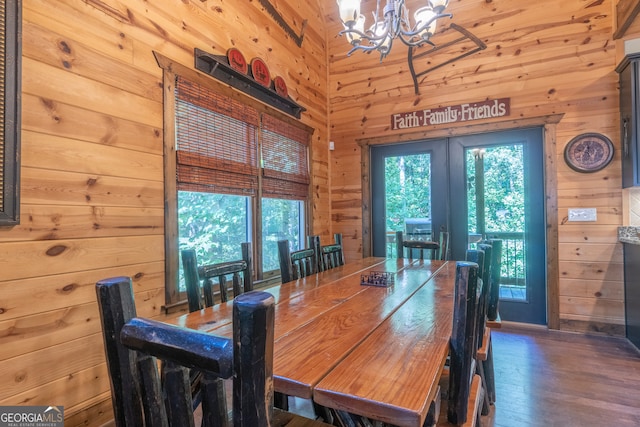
284,159
216,142
217,147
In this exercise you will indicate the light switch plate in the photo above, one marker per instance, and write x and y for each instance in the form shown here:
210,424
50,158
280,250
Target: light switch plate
583,214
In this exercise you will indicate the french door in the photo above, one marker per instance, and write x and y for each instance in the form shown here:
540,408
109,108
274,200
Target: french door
479,186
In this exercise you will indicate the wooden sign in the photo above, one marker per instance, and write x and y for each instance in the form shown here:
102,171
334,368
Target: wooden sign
452,114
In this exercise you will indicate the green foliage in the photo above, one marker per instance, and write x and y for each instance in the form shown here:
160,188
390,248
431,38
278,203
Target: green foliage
504,201
281,220
408,195
407,189
215,225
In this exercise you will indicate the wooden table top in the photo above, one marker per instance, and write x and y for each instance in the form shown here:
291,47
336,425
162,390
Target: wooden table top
392,376
373,351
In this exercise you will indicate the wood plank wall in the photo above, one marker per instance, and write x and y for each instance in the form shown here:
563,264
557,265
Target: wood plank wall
92,178
550,58
92,171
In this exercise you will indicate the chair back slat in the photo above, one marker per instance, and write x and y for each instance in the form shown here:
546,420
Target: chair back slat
214,400
192,279
155,413
420,245
332,255
443,250
463,340
240,272
133,344
494,286
305,262
296,264
177,393
484,285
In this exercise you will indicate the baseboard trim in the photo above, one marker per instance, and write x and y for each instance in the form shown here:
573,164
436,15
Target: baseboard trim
596,328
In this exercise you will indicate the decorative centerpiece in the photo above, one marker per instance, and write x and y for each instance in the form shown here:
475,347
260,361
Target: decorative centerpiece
377,278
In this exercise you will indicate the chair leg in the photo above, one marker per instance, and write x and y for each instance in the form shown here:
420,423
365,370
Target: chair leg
486,404
281,401
490,376
327,414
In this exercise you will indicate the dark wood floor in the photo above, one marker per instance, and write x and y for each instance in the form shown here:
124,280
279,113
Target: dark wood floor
551,378
559,379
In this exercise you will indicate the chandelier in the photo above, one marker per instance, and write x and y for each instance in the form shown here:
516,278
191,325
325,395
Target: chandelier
393,24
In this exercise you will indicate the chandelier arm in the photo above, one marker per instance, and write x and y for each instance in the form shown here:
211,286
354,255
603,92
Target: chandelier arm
367,36
416,43
425,25
366,49
409,37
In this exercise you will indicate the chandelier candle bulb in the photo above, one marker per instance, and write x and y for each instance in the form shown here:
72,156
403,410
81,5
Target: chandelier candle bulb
349,12
423,16
354,36
439,5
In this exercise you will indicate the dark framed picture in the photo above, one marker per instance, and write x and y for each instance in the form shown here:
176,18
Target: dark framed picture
589,152
10,61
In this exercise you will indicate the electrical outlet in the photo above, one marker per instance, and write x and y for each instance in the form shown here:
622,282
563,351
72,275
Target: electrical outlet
583,214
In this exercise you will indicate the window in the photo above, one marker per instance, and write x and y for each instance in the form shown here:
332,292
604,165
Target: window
281,220
241,175
212,224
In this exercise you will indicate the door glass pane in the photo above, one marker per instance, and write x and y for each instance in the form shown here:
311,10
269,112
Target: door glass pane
282,219
214,225
496,207
407,198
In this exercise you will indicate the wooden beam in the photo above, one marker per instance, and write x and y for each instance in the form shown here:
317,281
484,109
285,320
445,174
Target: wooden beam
626,13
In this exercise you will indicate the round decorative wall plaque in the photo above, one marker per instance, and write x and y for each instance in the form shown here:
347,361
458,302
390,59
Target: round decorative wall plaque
237,61
260,72
589,152
280,86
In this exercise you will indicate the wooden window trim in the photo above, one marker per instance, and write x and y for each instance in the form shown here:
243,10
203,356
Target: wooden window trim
172,69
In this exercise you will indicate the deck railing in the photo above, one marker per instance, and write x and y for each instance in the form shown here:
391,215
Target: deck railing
513,256
513,271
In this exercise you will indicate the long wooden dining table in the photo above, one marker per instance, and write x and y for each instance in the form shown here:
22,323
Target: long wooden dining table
372,351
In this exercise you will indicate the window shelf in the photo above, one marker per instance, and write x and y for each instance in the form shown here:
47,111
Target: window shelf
217,66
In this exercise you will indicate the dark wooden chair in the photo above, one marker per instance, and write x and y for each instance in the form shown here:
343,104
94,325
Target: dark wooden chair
294,265
210,273
482,257
493,250
142,397
297,264
332,255
463,392
493,314
196,295
437,250
484,361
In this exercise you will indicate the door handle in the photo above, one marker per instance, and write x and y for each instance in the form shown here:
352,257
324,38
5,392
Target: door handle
625,138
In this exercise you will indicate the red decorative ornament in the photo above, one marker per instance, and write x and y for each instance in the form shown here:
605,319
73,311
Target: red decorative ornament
260,72
280,86
237,61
